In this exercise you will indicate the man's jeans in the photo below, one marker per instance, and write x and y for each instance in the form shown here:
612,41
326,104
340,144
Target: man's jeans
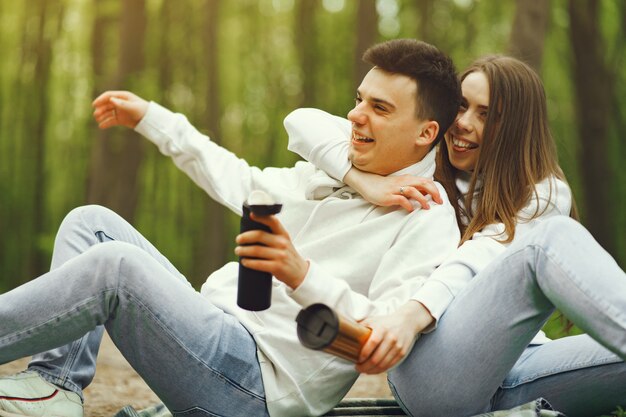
478,360
198,359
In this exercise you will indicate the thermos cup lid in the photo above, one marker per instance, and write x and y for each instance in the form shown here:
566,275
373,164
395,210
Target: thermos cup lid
261,203
318,326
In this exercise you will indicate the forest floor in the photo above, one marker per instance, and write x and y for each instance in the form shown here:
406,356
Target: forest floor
116,384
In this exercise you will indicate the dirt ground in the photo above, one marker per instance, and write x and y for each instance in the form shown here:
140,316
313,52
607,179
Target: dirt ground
116,384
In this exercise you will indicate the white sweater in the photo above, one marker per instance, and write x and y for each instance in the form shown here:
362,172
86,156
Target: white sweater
329,152
364,259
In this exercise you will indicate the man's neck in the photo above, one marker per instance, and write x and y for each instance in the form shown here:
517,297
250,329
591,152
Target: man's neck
425,167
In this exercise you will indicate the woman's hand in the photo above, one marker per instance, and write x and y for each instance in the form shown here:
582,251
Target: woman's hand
392,337
119,108
274,252
393,190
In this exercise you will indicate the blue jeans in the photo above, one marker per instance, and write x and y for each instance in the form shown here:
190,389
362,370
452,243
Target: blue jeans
478,358
198,359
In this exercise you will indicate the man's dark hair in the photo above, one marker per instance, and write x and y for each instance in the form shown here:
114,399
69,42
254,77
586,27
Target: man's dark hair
438,89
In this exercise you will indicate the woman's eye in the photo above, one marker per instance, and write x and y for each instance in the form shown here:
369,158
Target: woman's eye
379,107
358,100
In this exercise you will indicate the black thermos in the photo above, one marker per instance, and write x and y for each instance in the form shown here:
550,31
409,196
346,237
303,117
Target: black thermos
254,288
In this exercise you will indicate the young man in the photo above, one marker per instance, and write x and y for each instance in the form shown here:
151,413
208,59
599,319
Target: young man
200,353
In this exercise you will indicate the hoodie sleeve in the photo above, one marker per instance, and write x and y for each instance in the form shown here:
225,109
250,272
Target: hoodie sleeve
227,178
320,138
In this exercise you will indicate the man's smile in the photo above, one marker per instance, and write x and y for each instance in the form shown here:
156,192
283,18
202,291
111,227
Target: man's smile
359,139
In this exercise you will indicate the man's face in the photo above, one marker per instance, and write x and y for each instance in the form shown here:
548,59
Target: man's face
384,125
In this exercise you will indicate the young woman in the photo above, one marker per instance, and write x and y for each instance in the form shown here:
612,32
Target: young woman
520,252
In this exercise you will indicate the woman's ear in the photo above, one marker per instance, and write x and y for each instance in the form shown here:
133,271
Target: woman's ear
428,133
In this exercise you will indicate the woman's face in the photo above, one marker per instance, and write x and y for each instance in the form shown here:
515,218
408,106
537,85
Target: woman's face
466,133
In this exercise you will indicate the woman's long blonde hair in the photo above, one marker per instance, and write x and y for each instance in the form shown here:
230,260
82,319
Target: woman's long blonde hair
517,149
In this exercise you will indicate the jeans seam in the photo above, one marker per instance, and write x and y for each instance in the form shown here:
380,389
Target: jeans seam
193,410
555,371
602,312
166,329
67,384
66,312
71,357
62,380
397,397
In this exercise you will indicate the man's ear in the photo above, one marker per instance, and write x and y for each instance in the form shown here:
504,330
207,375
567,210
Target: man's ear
428,133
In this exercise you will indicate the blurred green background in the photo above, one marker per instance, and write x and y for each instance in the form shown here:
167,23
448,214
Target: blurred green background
236,68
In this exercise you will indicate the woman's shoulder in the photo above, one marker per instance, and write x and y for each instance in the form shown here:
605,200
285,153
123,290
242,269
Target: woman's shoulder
553,183
553,189
551,194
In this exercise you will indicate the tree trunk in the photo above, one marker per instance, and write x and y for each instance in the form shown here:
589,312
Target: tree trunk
593,91
101,24
165,59
210,246
50,19
117,155
18,240
305,47
366,35
425,30
529,29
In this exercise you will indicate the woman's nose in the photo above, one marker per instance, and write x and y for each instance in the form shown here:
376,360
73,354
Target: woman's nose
463,121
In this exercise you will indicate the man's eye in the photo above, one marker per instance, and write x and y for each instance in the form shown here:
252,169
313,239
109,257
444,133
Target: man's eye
379,107
358,100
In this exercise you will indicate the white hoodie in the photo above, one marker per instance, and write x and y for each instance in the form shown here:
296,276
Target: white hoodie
364,259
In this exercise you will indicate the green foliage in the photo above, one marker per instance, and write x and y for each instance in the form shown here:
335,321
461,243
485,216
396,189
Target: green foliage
558,326
619,412
261,77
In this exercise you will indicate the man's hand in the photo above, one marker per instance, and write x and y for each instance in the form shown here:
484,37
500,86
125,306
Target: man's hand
278,256
119,108
392,337
393,190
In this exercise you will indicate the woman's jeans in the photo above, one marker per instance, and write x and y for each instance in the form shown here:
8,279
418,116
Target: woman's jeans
198,359
478,358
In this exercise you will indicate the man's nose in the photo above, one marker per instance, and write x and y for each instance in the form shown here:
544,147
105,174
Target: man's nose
356,115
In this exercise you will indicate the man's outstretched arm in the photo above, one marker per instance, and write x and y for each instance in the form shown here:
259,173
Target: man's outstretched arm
227,178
